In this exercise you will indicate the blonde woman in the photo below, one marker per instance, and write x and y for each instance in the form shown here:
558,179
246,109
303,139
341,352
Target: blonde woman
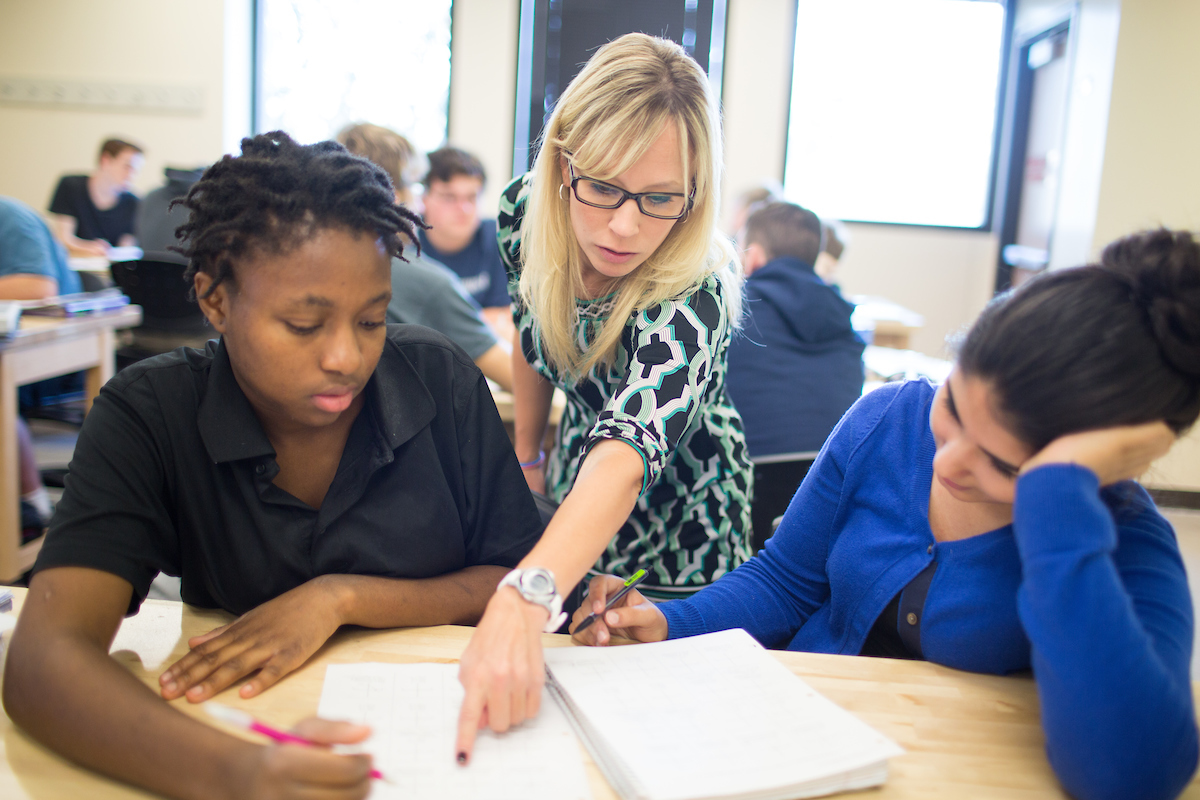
625,296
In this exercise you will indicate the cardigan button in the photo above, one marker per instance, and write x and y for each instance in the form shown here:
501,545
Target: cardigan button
260,469
912,618
929,549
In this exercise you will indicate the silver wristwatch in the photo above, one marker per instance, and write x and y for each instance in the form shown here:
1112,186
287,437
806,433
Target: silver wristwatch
537,586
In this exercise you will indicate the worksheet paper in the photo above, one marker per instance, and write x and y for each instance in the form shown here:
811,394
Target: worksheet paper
413,710
712,716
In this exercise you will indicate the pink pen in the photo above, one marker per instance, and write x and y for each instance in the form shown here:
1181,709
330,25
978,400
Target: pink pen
240,719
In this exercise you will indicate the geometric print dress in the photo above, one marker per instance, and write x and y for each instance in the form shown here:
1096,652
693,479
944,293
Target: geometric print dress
665,396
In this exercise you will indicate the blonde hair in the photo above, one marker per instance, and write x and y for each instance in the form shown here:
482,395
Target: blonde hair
388,150
606,120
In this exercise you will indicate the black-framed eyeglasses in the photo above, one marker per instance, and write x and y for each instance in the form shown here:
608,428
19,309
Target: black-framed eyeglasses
660,205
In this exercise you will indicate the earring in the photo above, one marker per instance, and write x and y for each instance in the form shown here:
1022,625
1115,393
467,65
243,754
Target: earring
560,194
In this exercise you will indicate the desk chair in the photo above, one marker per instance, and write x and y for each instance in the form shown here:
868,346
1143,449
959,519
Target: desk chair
776,479
170,317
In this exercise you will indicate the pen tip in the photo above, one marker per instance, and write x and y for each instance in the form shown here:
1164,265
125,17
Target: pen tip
462,758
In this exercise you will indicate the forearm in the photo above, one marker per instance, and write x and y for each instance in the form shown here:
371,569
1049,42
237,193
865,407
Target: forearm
499,319
532,395
753,597
496,365
73,698
27,287
65,227
457,598
1111,663
604,493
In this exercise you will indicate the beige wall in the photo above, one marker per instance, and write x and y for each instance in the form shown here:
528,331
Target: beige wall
122,42
1151,161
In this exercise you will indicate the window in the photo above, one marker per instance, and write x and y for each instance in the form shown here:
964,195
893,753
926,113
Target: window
326,63
893,110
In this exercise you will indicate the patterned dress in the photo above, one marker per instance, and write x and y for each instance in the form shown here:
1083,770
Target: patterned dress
665,396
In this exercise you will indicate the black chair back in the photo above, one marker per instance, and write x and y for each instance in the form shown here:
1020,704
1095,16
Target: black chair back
165,297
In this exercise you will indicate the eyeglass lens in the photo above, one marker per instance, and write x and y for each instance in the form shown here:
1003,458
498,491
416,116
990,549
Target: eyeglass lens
602,195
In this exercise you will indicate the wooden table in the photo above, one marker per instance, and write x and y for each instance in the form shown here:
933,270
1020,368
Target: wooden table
45,347
967,736
893,324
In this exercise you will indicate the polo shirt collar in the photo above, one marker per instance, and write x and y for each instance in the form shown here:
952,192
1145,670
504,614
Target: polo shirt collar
228,425
397,398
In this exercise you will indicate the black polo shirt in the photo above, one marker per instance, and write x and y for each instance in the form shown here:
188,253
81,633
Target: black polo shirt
172,472
71,199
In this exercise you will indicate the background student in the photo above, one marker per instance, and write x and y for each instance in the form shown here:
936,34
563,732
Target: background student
459,238
628,297
797,364
313,468
33,266
990,524
424,292
95,212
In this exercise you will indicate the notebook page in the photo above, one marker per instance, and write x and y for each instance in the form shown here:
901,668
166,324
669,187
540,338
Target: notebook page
413,710
713,716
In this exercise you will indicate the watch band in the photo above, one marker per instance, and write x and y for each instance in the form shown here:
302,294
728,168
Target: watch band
551,600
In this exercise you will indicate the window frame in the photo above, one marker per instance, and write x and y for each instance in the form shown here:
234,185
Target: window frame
991,211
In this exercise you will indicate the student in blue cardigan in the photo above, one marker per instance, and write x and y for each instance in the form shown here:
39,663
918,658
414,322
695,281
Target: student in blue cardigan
991,523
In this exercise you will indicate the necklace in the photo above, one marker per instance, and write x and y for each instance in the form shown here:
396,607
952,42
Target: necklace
599,309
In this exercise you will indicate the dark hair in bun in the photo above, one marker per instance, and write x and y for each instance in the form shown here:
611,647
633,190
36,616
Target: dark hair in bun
1114,343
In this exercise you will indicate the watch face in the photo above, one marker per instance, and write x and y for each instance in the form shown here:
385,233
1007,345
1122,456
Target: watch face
537,582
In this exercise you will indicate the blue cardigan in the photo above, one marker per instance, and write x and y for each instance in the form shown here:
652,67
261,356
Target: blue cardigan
1086,587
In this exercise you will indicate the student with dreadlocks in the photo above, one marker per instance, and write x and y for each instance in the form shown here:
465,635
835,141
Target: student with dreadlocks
312,468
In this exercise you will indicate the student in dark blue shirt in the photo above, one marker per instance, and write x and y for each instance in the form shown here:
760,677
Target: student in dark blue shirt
460,239
991,524
797,364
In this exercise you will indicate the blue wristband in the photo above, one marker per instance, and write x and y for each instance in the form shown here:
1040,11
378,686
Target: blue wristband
537,462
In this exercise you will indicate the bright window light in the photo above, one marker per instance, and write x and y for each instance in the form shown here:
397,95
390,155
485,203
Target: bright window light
893,109
327,63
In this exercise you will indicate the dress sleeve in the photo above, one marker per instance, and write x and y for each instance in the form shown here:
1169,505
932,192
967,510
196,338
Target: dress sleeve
673,353
773,594
1105,604
508,234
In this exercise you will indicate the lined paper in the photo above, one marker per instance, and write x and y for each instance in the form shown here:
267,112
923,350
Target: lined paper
413,711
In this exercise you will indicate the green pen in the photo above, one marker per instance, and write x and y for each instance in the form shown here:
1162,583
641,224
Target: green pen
633,581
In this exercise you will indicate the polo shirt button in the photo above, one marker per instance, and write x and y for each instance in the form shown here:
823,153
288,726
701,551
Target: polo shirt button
260,469
912,618
929,549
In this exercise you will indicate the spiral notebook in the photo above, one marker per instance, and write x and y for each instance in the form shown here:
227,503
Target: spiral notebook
711,716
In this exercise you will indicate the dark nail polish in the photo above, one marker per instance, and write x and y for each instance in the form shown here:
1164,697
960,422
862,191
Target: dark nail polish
462,758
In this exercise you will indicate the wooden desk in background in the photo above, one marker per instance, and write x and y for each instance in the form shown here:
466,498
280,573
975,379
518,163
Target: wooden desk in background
891,324
46,347
967,736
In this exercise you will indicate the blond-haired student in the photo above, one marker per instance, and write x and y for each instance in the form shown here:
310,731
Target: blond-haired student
625,296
